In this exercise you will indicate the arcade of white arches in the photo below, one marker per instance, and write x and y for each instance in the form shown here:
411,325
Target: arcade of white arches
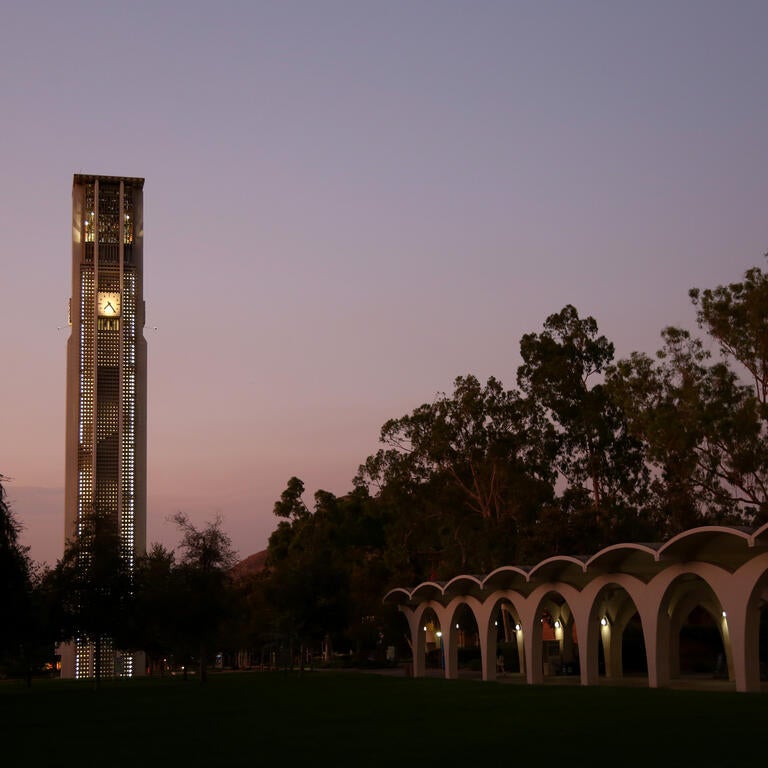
722,571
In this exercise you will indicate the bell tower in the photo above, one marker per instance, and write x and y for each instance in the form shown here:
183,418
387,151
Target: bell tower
106,424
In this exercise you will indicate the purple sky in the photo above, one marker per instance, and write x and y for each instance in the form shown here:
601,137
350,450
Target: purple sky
348,204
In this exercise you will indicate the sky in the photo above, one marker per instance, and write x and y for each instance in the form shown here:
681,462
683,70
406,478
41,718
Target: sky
348,204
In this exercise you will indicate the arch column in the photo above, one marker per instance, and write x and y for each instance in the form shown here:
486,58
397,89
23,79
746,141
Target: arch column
648,610
743,627
534,671
450,647
520,640
589,671
487,633
413,617
741,602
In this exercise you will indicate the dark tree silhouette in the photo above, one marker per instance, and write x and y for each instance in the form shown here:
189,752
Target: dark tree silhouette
94,587
207,556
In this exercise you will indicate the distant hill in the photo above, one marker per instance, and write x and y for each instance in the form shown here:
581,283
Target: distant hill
252,564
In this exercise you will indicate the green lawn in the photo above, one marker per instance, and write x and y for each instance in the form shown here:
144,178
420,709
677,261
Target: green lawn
335,719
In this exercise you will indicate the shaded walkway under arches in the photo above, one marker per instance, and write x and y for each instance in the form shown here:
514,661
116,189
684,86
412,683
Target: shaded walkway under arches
618,635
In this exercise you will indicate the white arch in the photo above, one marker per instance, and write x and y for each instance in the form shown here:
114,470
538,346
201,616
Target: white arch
532,630
655,608
450,634
415,618
609,634
488,644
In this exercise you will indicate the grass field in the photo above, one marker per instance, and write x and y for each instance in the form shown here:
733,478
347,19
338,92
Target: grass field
335,719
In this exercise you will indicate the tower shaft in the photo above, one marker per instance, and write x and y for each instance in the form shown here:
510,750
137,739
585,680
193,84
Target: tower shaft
106,373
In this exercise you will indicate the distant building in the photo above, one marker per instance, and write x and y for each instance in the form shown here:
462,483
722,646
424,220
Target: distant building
106,425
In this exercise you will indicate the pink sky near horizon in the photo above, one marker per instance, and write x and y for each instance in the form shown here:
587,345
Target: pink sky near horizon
348,204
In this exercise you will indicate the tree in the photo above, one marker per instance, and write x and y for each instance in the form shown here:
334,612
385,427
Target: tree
705,427
325,572
705,433
16,585
207,555
562,372
252,624
14,569
94,588
736,316
159,605
291,506
36,627
308,585
476,463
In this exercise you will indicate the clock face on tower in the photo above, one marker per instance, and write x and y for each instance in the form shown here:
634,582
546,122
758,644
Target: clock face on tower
109,304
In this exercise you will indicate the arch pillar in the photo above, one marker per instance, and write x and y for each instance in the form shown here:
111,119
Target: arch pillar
450,647
742,621
487,634
520,640
589,672
650,620
488,648
743,629
611,640
413,617
531,631
588,652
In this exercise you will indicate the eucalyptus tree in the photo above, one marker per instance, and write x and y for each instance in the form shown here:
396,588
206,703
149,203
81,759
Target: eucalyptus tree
705,421
470,470
600,463
736,316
